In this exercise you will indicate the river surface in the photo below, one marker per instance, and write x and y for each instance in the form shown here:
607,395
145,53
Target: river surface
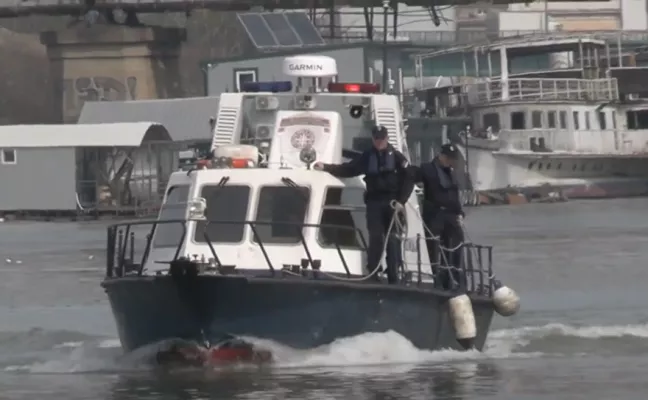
581,269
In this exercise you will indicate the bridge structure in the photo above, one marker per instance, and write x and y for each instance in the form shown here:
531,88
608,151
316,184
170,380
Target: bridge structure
13,8
107,53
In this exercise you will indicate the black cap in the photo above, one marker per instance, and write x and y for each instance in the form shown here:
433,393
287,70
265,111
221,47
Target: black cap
379,132
450,150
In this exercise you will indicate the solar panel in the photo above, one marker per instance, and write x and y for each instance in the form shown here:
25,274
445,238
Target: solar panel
272,30
284,33
303,26
258,31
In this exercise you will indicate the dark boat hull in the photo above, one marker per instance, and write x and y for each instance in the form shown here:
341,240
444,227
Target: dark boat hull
301,313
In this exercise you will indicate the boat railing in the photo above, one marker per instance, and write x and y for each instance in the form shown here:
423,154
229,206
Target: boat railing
542,89
473,275
121,260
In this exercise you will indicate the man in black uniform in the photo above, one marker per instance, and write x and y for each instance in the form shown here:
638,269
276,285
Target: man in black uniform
442,211
387,178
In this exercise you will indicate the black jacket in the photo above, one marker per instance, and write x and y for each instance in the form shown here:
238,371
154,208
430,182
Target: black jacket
440,188
387,174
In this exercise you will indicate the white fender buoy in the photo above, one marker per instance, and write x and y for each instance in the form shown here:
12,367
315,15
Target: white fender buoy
463,320
505,300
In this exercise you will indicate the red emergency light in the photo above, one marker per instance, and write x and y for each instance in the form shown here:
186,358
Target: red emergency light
337,87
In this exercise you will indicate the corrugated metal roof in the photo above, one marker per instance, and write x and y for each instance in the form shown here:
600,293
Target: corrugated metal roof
82,135
185,119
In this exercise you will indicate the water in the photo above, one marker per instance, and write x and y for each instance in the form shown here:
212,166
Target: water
582,332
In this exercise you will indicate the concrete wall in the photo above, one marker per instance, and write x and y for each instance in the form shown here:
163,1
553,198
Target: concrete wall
29,88
106,63
24,80
41,179
221,77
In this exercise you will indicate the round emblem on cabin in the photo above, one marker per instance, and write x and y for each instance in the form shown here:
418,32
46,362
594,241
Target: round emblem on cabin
302,138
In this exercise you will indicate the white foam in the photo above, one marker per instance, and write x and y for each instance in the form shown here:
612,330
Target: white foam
366,353
109,344
68,345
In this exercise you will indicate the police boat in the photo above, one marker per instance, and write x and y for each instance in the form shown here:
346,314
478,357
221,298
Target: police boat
252,243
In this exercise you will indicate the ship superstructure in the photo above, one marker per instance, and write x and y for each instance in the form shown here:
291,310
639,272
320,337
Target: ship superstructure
569,128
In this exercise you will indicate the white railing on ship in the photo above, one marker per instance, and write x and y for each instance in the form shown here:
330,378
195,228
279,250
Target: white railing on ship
544,89
607,141
352,34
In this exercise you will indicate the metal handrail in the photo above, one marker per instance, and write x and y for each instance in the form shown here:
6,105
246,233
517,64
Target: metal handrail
116,237
454,37
482,284
542,89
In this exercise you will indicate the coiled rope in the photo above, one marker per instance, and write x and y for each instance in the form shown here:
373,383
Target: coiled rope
399,222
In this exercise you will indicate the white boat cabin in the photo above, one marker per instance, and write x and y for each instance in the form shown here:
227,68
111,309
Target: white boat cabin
268,181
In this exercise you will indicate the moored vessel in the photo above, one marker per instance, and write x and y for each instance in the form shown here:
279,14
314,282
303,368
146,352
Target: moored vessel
576,129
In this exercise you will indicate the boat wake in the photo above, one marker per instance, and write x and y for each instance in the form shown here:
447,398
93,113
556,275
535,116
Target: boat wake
43,352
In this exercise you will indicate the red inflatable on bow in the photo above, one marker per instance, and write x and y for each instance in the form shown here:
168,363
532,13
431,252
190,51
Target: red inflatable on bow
227,352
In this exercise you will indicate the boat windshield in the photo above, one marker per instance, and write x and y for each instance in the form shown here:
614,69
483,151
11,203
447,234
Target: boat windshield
343,207
284,207
224,203
175,207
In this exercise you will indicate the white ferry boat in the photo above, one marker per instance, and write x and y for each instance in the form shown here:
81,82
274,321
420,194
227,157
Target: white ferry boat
568,129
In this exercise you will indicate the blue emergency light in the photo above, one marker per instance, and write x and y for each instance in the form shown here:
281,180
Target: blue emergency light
274,87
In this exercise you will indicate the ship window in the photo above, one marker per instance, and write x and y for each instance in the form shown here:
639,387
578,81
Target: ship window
362,143
559,165
551,119
587,120
576,125
491,120
613,118
224,203
9,156
174,207
281,213
243,76
518,120
536,119
601,120
343,213
563,119
637,119
549,166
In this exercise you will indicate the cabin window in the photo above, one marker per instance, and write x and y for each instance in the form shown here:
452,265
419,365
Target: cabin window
174,207
587,120
551,119
536,119
242,76
281,213
362,143
518,120
491,120
601,120
9,156
613,118
637,119
563,119
342,215
224,203
576,124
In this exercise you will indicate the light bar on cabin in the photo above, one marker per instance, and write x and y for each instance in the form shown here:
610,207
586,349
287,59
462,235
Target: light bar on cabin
274,87
337,87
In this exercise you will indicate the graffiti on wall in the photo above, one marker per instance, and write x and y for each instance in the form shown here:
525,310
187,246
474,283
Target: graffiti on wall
95,88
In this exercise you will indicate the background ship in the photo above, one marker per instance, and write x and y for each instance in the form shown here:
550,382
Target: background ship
579,129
